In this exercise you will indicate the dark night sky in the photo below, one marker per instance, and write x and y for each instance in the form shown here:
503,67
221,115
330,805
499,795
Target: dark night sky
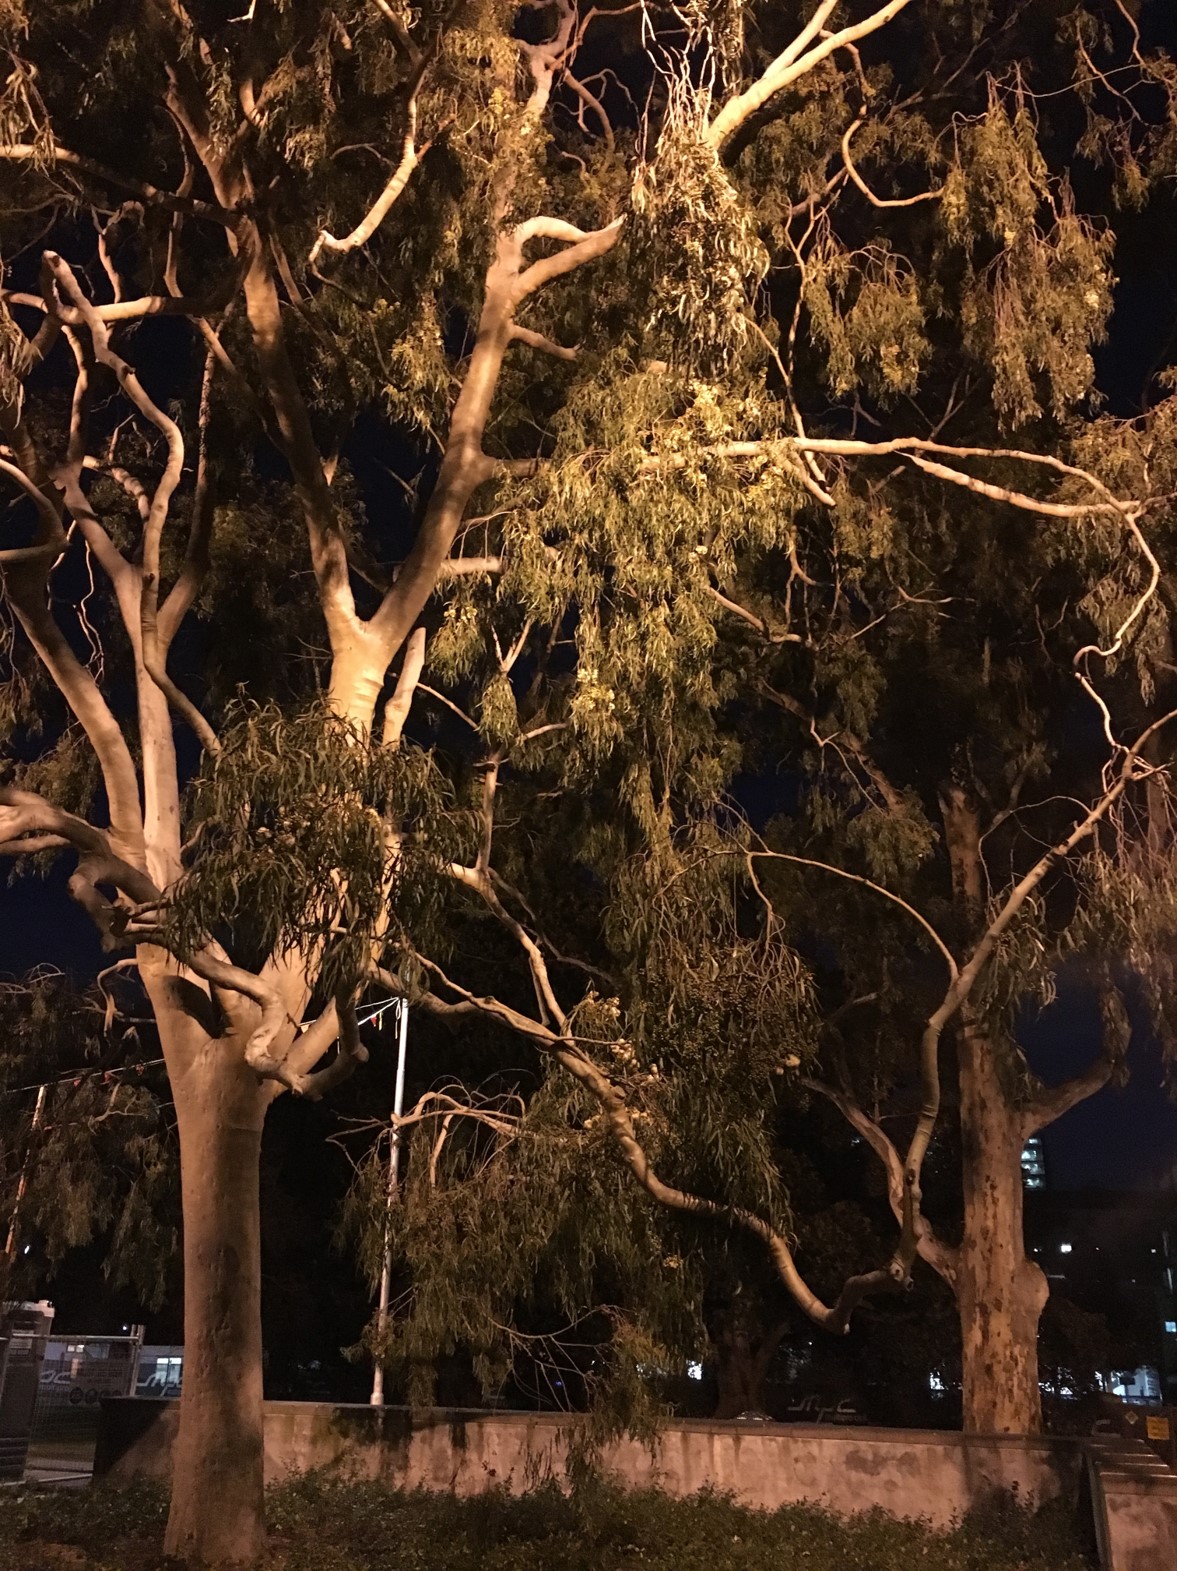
1119,1138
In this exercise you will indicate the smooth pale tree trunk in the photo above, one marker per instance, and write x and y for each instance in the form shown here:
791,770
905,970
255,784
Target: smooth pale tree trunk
1000,1293
216,1516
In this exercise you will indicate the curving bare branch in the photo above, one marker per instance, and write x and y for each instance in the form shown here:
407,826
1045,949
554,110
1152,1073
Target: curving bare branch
867,883
396,711
411,156
151,652
28,152
833,1317
811,46
931,1249
28,822
879,201
350,1053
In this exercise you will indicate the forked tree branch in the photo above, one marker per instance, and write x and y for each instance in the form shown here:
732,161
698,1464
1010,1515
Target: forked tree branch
1053,1101
152,653
848,738
26,577
904,1179
572,1056
811,46
832,1317
583,247
28,152
29,821
931,1248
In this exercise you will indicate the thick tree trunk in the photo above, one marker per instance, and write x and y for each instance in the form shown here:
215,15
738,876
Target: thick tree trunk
738,1377
216,1514
1000,1293
742,1363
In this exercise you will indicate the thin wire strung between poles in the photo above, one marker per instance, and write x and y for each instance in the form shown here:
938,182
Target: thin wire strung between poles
76,1076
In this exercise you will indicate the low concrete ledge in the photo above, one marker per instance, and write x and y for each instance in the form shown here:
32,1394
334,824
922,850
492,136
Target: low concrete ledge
914,1473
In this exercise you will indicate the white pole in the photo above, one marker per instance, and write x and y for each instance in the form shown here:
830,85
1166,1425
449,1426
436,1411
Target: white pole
394,1157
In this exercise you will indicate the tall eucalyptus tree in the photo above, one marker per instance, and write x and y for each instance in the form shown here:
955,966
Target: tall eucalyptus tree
583,283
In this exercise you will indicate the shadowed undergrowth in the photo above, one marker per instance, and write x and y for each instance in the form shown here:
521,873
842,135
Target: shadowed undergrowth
317,1524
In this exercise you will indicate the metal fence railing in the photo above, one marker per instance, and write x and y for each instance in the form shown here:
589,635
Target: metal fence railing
76,1373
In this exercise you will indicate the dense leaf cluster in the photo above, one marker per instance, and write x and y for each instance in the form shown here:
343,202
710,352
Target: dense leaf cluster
310,838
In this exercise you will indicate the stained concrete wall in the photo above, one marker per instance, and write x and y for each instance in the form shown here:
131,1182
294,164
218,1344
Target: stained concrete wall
918,1473
910,1473
1134,1494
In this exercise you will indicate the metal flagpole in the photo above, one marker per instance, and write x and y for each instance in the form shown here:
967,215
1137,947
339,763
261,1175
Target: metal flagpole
394,1154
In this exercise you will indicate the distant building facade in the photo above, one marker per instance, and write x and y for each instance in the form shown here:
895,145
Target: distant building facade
1111,1253
1034,1163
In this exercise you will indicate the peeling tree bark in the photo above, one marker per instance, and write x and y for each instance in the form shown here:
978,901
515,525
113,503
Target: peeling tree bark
1000,1294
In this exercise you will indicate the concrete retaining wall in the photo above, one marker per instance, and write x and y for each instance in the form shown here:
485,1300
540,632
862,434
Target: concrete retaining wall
1134,1494
909,1472
917,1473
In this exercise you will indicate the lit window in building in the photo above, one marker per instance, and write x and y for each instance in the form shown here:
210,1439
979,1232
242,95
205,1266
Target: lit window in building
1171,1327
1136,1385
1034,1164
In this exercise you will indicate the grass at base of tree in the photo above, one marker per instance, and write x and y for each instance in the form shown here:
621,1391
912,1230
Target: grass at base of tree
322,1524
